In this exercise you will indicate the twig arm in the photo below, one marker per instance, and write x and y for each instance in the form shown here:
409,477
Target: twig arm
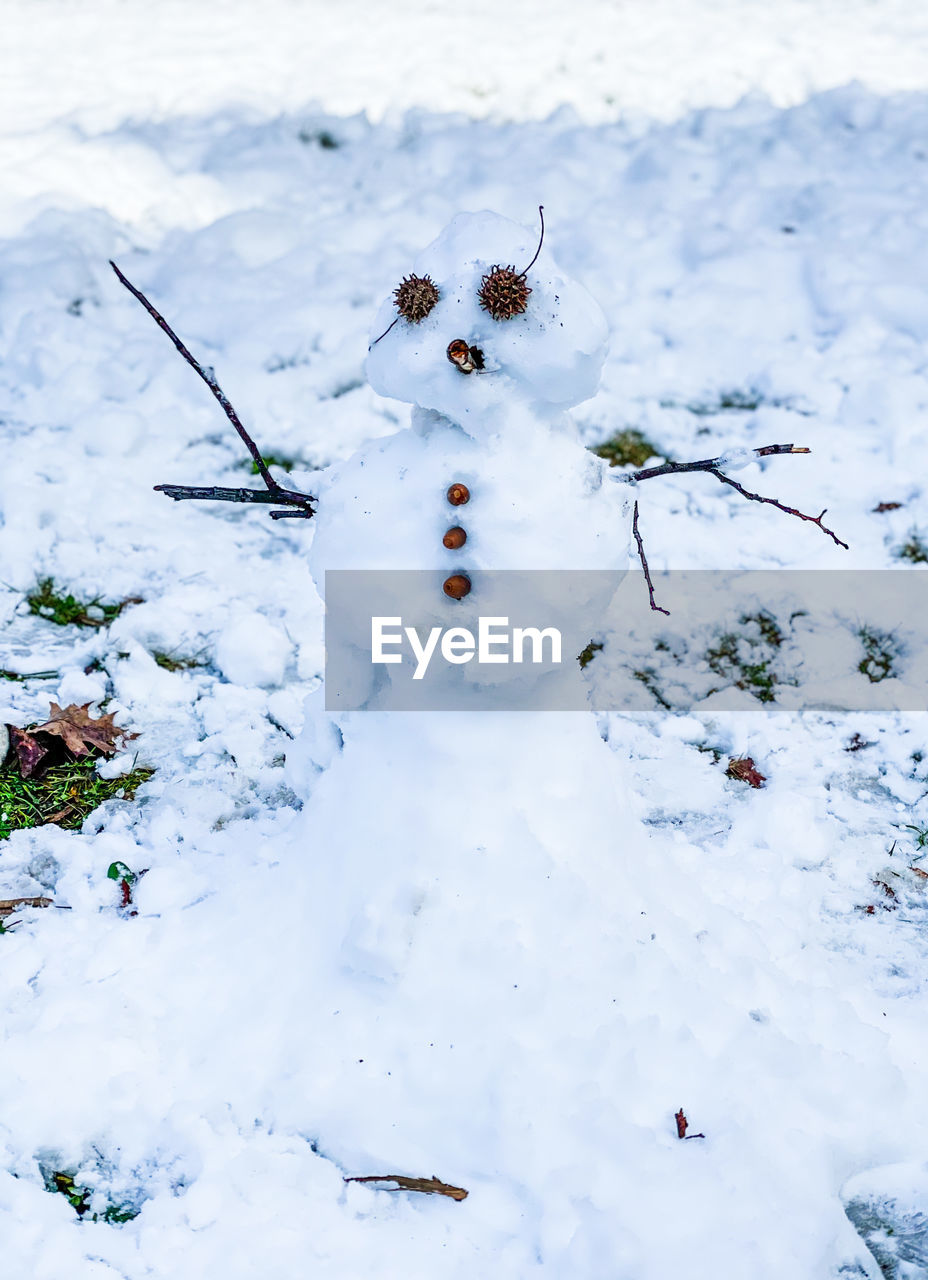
713,467
711,464
216,493
274,494
206,374
780,506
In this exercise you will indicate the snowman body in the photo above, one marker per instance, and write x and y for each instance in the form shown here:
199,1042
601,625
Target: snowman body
537,500
543,539
480,927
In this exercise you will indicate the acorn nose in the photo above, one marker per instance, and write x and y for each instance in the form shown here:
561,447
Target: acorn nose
463,356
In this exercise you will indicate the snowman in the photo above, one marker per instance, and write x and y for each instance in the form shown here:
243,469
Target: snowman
517,1009
487,504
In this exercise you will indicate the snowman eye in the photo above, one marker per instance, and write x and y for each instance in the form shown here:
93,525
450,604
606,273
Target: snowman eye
416,297
503,291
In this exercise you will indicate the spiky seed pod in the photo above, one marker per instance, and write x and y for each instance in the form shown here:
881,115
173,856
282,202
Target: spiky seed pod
415,297
503,292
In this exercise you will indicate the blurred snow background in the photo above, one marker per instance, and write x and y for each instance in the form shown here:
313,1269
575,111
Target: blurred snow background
744,188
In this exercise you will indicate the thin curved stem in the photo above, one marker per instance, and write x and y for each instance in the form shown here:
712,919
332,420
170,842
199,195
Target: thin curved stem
541,240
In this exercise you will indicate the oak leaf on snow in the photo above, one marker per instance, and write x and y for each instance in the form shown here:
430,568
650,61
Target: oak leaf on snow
69,731
80,732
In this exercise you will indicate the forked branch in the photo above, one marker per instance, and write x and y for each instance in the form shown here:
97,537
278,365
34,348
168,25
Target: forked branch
274,494
711,464
713,467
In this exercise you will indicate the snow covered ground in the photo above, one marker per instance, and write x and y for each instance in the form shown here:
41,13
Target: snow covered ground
743,188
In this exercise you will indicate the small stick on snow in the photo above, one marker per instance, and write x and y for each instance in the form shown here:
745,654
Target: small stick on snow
712,465
430,1186
644,564
275,492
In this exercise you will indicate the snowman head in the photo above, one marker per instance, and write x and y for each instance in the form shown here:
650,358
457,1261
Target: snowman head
481,320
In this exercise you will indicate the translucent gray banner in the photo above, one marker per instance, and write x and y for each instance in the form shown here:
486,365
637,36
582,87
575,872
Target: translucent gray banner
854,640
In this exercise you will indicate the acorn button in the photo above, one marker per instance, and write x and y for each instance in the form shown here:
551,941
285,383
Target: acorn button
457,586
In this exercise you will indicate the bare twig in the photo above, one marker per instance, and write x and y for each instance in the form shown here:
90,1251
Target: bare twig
266,497
276,493
712,465
206,374
780,506
20,676
644,564
430,1186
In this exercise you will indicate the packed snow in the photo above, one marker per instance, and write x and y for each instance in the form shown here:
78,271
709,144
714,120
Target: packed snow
501,949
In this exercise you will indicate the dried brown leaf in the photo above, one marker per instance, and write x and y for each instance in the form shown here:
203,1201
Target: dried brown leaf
9,905
80,732
682,1125
28,750
430,1186
744,770
62,813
